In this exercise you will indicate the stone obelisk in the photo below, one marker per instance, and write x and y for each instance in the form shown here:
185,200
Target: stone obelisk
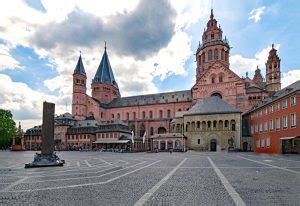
47,158
48,128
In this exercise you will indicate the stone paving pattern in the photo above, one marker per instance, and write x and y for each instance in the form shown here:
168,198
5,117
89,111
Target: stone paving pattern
95,178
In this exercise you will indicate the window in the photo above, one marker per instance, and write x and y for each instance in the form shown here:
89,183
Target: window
127,115
150,114
284,103
213,80
262,143
271,126
257,144
118,116
112,116
212,34
293,101
160,114
216,54
209,55
278,106
260,127
266,111
277,123
252,129
293,120
268,142
198,124
169,113
271,109
265,126
144,115
220,78
134,115
285,122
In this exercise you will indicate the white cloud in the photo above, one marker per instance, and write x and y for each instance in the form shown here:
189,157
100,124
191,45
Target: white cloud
6,59
133,76
240,65
24,103
290,77
255,14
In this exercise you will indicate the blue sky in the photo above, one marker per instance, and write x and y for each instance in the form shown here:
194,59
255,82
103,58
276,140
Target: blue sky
40,44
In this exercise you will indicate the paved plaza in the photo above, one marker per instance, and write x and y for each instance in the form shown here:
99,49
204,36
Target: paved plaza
192,178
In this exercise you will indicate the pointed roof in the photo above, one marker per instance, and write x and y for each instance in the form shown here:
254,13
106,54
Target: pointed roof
104,72
79,69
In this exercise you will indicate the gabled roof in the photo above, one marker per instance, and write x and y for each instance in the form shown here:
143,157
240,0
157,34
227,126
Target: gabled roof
104,72
211,105
79,69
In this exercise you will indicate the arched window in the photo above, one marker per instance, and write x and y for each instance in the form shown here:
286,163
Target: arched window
144,115
216,54
203,57
222,54
213,80
209,55
161,130
212,34
150,114
226,56
216,94
232,123
221,78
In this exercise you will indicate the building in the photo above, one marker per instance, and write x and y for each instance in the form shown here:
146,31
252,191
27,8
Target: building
168,142
18,140
273,123
210,125
72,134
153,113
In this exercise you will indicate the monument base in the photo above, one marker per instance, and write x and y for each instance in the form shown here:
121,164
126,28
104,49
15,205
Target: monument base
40,160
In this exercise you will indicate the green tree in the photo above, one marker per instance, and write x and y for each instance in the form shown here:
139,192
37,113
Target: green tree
7,128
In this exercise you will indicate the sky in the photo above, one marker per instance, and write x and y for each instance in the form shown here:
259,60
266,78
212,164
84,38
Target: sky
151,45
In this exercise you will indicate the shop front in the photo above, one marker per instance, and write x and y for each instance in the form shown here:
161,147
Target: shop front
168,142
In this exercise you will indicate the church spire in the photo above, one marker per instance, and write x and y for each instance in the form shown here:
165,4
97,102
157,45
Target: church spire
104,72
79,69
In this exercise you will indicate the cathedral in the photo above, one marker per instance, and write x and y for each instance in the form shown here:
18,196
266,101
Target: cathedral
218,91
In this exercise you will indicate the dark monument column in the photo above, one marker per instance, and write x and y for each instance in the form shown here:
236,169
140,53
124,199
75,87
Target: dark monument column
48,128
47,158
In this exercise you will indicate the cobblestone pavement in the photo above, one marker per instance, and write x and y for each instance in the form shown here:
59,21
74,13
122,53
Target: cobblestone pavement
192,178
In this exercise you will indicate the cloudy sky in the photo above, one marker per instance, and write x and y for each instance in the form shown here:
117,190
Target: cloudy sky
151,45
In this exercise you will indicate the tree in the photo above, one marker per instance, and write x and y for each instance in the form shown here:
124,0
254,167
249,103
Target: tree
7,128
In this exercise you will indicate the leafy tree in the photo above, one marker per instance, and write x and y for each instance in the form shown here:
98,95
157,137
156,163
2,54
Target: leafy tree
7,128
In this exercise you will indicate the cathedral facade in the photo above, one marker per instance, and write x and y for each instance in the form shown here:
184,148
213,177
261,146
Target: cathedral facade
153,113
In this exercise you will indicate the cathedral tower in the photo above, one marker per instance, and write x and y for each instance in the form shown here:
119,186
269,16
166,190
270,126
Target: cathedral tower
79,91
213,47
104,86
273,83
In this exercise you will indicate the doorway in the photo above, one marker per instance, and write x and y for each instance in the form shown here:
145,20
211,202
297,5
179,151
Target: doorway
213,145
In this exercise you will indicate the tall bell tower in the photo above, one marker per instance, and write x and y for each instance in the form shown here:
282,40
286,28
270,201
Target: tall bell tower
79,107
273,82
213,47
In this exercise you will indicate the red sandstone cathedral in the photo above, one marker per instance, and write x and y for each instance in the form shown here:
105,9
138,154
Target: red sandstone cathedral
153,112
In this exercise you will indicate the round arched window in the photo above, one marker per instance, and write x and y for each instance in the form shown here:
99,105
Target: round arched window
217,95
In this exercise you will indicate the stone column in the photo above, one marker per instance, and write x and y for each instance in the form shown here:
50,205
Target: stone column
48,128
